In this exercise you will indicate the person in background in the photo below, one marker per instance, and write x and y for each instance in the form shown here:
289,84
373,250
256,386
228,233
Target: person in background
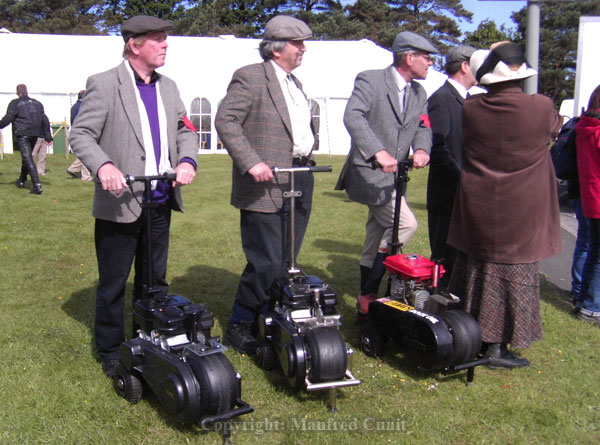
505,217
40,149
132,122
445,114
29,123
265,121
386,115
587,304
77,166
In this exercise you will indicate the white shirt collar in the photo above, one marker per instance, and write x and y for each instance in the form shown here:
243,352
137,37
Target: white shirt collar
279,72
399,80
461,90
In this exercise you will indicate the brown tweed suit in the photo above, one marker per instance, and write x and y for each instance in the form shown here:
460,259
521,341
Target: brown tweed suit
254,125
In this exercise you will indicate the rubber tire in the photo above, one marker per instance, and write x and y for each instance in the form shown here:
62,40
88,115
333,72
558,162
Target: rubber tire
127,385
265,354
219,388
328,357
372,341
466,335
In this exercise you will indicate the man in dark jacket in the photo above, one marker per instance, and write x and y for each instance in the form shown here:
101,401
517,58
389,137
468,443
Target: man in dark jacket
445,115
29,124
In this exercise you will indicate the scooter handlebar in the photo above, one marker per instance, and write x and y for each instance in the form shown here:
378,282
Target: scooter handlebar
407,162
308,168
165,176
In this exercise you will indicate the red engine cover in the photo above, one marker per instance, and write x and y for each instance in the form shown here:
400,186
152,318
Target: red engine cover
411,266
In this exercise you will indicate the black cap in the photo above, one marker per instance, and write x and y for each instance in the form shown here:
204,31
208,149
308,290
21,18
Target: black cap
143,24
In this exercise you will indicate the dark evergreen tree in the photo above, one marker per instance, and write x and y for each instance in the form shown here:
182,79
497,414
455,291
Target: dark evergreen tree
487,33
559,31
50,16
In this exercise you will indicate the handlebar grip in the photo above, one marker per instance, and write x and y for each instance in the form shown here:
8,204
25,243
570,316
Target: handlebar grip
321,168
165,176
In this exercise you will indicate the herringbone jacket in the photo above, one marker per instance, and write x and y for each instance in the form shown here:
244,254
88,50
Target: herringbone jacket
254,125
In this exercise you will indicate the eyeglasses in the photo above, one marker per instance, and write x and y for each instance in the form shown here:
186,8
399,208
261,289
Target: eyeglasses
426,56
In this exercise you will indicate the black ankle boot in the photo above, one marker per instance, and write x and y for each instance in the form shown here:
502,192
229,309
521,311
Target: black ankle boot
20,183
37,189
502,358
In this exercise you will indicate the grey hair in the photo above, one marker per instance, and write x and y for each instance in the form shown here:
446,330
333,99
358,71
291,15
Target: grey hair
137,41
266,48
399,58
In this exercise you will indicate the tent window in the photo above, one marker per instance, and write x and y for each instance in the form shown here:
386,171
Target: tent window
315,111
200,115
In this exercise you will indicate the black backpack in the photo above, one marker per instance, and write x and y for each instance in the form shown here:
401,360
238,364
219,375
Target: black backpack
564,151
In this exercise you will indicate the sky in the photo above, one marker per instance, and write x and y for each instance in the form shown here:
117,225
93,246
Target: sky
497,10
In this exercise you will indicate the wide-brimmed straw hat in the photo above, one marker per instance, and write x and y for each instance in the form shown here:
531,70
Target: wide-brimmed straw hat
504,63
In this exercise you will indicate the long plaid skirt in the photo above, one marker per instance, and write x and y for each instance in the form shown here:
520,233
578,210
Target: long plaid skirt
503,298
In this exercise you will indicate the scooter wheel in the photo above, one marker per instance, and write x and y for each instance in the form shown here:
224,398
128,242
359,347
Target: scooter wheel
265,354
372,341
219,387
127,385
465,333
328,357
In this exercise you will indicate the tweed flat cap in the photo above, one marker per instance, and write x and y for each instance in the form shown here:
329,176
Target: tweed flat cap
285,27
406,41
460,53
143,24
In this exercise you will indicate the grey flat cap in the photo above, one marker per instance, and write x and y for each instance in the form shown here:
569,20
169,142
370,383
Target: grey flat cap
406,41
285,27
460,53
143,24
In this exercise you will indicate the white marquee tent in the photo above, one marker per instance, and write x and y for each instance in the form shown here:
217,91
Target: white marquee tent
55,68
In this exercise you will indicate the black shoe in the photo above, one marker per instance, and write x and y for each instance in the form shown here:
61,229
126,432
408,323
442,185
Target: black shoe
20,183
36,190
501,358
108,367
240,337
73,175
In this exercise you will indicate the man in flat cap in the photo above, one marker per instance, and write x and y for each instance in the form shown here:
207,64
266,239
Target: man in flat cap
132,122
386,116
265,121
445,115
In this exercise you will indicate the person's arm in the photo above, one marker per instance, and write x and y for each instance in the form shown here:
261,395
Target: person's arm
421,143
229,120
356,120
187,147
11,112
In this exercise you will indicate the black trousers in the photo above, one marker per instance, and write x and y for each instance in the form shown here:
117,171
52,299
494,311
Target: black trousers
439,225
117,244
266,245
25,145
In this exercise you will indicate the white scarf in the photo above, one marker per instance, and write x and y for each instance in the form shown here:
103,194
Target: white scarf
165,164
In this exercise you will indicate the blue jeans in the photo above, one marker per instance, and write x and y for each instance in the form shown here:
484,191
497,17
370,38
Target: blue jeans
582,247
590,305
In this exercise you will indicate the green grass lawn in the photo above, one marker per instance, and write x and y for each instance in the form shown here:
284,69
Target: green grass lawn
52,390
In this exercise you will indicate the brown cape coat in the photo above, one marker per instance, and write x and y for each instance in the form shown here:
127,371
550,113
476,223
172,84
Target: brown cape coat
506,208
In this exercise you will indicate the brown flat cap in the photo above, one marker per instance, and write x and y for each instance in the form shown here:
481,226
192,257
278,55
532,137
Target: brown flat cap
143,24
285,27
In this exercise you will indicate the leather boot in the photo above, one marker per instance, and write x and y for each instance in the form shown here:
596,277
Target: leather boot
364,275
37,189
20,183
375,275
502,358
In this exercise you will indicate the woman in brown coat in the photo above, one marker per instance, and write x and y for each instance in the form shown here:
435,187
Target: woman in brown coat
505,217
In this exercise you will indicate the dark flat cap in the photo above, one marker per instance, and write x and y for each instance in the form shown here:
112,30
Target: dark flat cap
143,24
406,41
285,27
460,53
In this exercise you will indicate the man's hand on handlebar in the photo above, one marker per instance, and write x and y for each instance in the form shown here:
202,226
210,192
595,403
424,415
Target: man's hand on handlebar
420,158
386,162
185,174
111,178
261,172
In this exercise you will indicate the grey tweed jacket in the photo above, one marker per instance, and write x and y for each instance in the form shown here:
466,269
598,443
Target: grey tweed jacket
254,125
108,129
375,123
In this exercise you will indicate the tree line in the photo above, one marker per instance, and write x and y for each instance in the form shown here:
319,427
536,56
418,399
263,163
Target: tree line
377,20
